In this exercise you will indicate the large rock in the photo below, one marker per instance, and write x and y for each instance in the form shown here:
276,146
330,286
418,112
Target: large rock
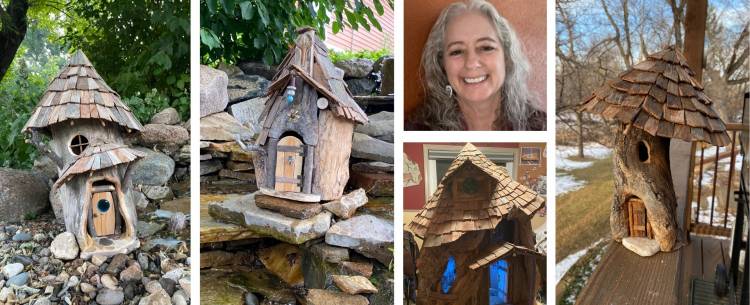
210,167
260,69
223,127
45,168
345,206
286,207
21,193
248,113
168,136
376,183
64,246
244,87
325,297
155,169
168,116
387,76
369,235
355,284
377,127
243,211
361,86
285,261
641,245
214,97
367,147
356,67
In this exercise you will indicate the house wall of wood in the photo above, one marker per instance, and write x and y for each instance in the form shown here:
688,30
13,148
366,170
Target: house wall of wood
95,131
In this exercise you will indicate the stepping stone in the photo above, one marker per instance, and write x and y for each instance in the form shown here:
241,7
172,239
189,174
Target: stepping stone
290,208
641,245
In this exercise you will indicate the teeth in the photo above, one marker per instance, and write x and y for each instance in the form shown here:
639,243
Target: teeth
475,80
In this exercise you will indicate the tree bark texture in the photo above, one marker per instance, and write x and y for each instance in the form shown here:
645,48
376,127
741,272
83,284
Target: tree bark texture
13,30
645,175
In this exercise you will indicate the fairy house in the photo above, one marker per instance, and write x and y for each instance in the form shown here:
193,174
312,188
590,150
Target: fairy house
477,236
85,121
654,101
308,122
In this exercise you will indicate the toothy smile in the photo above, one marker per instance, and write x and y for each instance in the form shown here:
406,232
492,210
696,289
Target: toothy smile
475,79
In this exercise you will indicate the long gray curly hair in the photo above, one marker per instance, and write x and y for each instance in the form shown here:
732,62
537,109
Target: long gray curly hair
440,110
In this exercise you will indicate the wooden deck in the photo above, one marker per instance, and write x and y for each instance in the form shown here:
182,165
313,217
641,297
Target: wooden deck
622,277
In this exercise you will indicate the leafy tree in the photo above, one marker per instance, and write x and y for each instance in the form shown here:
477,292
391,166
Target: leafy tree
255,29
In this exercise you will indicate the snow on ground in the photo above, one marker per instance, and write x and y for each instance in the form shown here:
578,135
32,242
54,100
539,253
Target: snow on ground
590,150
564,265
704,216
567,183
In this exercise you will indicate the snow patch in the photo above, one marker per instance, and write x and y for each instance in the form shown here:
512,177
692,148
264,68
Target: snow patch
567,183
564,265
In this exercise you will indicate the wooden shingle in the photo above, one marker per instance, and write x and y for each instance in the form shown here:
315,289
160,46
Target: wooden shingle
97,157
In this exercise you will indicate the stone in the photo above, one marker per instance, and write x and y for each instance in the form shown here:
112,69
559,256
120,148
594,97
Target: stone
345,206
146,229
87,288
110,297
22,193
179,298
22,236
325,297
175,274
387,76
109,281
223,127
358,268
158,298
367,147
376,184
229,69
170,137
5,293
331,254
18,280
641,245
376,128
24,260
242,210
132,273
11,270
369,235
260,69
239,166
64,246
361,86
225,173
213,90
153,287
185,284
168,285
356,67
98,260
285,261
251,299
155,169
117,263
354,284
210,167
286,207
141,202
156,192
39,237
244,87
182,156
248,112
45,168
168,116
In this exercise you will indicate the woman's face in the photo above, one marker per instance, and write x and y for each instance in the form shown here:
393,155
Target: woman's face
473,58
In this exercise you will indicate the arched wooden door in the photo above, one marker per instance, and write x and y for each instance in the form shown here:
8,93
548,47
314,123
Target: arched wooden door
103,213
638,218
289,162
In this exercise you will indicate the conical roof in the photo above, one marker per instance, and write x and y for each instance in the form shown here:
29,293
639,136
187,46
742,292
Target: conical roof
99,156
661,96
79,92
308,58
439,222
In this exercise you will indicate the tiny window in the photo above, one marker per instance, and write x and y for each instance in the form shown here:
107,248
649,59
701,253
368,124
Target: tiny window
78,144
449,276
643,151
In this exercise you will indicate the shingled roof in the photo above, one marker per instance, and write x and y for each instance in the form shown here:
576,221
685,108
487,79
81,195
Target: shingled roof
661,96
97,157
439,222
308,58
503,251
79,92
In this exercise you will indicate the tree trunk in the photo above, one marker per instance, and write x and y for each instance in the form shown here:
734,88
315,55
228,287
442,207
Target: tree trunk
641,169
12,32
579,120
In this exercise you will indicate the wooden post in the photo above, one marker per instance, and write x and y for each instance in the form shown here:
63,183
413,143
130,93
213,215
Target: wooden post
308,169
695,32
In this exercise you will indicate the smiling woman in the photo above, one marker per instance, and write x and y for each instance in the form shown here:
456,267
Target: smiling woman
474,74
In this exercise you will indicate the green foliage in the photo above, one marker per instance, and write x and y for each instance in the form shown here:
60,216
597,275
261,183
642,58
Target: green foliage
30,216
144,106
135,45
262,30
337,56
36,63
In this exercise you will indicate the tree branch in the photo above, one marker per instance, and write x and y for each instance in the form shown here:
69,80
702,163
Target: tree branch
36,140
12,31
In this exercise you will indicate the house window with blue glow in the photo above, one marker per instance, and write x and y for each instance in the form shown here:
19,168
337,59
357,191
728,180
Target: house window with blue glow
499,282
449,275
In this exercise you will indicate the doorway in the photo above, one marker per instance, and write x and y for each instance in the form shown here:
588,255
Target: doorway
289,162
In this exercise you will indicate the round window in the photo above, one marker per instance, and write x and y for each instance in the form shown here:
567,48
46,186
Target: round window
103,205
78,144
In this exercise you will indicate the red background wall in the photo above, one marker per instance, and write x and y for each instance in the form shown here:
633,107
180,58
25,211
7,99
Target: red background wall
527,17
414,196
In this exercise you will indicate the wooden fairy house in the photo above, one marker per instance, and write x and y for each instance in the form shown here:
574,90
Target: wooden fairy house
85,121
477,237
654,101
308,122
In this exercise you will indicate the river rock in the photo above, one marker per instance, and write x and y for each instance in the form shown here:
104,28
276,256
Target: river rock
21,193
244,87
213,95
243,211
641,245
158,192
110,297
325,297
369,235
64,246
18,280
222,127
155,169
11,270
168,116
356,67
345,206
354,284
367,147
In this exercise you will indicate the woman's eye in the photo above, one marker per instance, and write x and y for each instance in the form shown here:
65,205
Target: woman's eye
455,52
487,48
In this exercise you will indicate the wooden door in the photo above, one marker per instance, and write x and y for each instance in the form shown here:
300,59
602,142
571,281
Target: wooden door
638,219
103,211
289,162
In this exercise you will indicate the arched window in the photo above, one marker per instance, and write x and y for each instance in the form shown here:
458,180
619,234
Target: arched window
78,144
499,282
449,275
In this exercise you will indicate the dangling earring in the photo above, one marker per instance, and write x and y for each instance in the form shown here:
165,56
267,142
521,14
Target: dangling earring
449,90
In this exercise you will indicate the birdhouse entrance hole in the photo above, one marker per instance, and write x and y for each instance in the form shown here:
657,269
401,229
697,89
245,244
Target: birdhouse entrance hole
289,162
104,217
643,151
638,225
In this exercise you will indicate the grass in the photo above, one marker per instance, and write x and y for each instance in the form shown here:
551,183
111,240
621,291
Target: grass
583,215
